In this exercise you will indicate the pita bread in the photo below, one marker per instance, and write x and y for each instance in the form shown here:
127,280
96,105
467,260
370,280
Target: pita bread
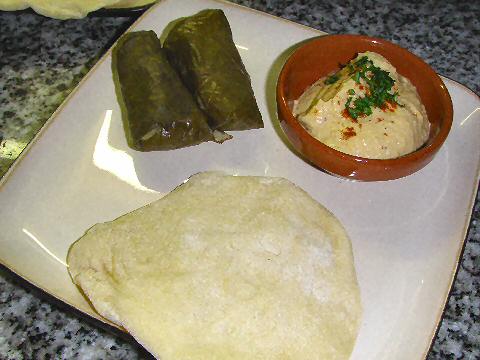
59,9
68,9
225,267
13,5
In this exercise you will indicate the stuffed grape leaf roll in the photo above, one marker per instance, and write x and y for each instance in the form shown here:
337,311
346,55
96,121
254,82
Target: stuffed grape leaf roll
158,111
201,49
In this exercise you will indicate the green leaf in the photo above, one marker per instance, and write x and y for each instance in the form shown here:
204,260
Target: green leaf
331,79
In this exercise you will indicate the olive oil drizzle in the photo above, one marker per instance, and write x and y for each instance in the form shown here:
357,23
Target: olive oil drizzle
378,83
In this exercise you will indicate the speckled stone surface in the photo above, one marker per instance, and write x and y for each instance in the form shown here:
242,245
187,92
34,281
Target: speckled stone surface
41,61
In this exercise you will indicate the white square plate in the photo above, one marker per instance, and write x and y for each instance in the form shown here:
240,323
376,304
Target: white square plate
407,234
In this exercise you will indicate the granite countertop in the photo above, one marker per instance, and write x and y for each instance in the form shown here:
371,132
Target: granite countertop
41,61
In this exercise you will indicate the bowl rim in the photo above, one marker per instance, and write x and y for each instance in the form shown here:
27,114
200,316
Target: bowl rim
422,152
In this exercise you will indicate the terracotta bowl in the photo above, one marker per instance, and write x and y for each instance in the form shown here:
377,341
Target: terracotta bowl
320,57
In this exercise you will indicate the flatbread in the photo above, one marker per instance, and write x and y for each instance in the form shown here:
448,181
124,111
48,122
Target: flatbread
68,9
58,9
225,267
13,5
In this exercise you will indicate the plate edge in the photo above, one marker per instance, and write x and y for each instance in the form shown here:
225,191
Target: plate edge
461,249
460,252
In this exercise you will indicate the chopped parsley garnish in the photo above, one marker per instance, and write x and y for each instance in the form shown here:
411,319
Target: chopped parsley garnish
331,79
356,77
379,85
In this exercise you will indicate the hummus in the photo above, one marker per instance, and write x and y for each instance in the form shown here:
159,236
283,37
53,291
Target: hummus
366,109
